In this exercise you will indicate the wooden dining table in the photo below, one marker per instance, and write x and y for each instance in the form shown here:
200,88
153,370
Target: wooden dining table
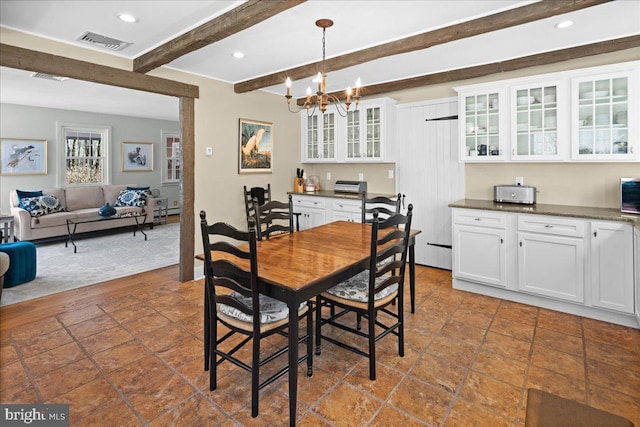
296,267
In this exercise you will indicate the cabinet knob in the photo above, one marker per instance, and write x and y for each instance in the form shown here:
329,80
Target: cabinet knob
520,244
501,241
478,219
595,233
548,226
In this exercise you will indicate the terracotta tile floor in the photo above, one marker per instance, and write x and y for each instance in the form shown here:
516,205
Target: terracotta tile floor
469,359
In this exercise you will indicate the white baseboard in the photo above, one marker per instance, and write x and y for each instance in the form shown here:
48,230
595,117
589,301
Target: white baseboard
551,304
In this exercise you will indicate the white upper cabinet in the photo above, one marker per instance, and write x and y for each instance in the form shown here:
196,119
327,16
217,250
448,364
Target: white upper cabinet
539,122
605,116
589,114
369,130
319,137
364,135
481,118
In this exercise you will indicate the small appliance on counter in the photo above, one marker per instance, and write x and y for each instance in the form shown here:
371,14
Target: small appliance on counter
630,195
312,184
521,194
350,187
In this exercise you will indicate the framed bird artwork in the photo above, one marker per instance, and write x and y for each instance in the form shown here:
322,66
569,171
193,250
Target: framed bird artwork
255,147
23,157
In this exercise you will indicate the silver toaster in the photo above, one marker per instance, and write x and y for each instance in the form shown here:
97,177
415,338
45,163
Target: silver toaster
522,194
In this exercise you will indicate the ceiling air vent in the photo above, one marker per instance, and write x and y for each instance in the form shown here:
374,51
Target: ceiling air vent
48,77
102,41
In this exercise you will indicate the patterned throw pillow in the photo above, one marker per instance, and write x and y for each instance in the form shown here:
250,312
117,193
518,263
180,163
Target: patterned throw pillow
41,205
23,194
135,198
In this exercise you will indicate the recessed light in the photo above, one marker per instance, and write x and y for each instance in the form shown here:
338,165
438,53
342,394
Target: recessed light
238,55
127,18
564,24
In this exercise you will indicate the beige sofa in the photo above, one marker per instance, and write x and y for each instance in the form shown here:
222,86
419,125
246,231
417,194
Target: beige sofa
78,202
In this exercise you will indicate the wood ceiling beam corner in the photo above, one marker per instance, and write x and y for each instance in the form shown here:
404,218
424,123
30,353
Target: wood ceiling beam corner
497,67
242,17
509,18
33,60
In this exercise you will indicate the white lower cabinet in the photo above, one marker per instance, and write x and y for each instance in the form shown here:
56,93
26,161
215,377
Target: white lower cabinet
576,265
318,210
346,210
612,266
551,257
480,239
552,266
311,209
481,255
636,235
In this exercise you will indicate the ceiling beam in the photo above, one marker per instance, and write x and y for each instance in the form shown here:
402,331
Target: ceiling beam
32,60
242,17
498,21
497,67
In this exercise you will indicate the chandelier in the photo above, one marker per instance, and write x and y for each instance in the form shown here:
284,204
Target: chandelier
321,99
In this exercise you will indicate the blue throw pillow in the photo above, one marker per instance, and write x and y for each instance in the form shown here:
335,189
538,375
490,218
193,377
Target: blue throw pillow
41,205
22,194
135,198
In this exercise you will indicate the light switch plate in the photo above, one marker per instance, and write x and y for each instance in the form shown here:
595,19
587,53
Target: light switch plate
519,180
208,151
360,176
328,176
390,173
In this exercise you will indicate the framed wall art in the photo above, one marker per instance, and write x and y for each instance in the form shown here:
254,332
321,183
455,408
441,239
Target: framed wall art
137,157
23,156
255,152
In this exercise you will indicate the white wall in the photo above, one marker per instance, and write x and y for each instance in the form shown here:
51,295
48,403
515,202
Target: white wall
26,122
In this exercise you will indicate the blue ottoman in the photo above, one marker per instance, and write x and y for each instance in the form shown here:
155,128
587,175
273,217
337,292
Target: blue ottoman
22,266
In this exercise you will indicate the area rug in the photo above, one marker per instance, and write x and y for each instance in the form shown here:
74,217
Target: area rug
98,259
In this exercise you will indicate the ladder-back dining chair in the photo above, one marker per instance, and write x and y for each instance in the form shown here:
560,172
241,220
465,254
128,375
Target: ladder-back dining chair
386,206
263,194
370,294
233,301
274,218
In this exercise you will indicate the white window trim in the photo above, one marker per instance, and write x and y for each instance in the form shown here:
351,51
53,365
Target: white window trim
104,130
164,134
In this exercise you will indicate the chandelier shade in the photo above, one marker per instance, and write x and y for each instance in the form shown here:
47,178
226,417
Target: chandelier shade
321,99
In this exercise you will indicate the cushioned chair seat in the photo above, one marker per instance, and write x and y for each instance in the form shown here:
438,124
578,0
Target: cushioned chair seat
357,288
22,266
272,311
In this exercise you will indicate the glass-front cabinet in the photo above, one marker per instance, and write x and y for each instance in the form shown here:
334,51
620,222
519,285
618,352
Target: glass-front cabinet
605,117
589,114
319,136
364,129
362,135
482,125
536,118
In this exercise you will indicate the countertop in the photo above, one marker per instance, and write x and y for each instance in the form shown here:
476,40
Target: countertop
587,212
339,195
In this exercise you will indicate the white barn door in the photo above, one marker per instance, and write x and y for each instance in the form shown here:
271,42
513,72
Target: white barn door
429,173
